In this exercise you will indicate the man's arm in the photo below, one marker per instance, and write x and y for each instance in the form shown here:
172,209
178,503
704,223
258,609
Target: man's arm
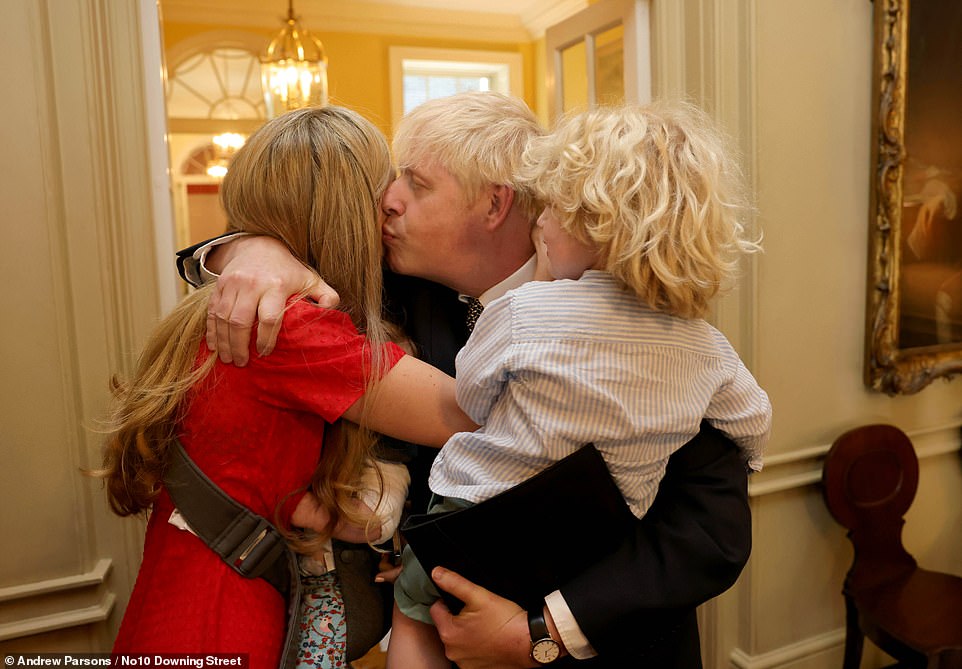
257,276
690,546
191,261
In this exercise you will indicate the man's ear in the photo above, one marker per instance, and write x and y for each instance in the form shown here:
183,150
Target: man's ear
501,198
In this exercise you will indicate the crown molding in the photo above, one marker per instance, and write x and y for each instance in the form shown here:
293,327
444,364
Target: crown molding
400,17
379,18
541,15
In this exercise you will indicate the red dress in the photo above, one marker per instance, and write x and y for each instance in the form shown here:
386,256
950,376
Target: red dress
257,432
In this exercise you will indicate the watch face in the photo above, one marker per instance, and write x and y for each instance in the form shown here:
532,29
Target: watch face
545,651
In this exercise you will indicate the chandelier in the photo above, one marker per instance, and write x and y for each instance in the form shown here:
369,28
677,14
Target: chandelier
224,148
293,69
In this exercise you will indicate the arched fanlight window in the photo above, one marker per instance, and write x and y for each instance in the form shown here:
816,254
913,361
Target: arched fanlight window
223,82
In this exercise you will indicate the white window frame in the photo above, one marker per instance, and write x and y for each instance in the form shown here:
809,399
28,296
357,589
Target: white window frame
504,66
584,26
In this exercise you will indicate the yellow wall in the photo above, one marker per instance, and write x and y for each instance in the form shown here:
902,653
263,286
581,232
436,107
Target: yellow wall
358,74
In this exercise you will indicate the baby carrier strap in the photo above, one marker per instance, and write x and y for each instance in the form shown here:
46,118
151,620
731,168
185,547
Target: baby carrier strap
247,542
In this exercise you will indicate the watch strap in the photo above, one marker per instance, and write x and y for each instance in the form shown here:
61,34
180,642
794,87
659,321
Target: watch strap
537,626
544,649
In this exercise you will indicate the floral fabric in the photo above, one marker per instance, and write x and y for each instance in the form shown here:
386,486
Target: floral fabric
323,642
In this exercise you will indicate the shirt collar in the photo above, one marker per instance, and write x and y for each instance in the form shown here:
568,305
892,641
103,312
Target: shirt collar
521,276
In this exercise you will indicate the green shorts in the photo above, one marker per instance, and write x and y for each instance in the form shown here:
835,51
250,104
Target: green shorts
414,591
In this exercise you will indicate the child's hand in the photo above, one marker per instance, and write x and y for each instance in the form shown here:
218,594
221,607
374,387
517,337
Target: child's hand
541,271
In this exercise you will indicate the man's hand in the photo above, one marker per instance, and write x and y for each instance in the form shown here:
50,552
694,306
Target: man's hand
490,631
259,275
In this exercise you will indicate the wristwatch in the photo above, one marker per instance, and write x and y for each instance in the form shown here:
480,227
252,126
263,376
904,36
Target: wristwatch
544,649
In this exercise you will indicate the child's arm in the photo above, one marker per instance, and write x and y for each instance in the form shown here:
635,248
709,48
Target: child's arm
482,365
742,410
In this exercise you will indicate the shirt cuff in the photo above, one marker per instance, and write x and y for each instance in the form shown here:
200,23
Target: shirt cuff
571,635
195,271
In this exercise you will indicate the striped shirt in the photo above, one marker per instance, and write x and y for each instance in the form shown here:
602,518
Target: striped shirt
554,365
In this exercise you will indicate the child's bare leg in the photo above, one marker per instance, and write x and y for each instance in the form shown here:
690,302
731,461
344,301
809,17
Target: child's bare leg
414,645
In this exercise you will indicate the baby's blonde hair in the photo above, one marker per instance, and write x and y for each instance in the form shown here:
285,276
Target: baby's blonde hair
477,136
657,189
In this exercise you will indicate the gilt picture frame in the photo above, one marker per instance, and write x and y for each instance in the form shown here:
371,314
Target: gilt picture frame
914,305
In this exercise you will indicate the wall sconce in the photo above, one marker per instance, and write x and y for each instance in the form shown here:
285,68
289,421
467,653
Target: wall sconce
293,69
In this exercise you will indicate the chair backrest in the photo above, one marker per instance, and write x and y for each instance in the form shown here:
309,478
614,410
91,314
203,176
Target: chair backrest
869,481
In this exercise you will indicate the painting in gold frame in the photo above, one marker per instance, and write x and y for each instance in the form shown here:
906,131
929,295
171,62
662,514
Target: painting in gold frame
914,314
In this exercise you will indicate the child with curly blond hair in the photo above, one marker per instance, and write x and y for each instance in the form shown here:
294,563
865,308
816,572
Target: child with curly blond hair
644,225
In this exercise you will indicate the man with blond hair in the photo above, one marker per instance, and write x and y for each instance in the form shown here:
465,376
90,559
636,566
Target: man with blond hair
457,233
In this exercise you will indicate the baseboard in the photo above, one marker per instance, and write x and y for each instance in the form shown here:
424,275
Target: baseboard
789,654
57,603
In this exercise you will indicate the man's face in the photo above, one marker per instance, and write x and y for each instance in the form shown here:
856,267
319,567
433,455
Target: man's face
430,226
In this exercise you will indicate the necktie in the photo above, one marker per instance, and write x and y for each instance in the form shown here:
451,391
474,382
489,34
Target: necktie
474,310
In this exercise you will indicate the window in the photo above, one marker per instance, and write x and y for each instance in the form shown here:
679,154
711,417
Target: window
222,83
213,89
421,74
600,55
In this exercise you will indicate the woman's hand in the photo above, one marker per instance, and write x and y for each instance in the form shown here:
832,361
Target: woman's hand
387,571
310,515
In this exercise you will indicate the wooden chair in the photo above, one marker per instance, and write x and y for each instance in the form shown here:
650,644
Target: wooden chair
869,480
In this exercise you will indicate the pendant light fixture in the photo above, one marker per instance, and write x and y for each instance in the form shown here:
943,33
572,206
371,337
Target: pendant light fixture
293,69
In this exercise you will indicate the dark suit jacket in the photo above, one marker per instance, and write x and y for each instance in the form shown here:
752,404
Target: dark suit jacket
637,605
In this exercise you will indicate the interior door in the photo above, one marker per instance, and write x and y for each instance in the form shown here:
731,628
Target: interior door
600,55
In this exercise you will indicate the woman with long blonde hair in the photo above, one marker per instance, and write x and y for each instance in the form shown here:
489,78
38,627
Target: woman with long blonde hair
312,179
